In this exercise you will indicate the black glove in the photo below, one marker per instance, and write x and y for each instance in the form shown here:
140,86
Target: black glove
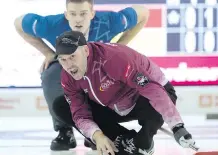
182,136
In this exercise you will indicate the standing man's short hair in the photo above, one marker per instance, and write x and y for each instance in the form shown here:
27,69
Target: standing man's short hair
80,1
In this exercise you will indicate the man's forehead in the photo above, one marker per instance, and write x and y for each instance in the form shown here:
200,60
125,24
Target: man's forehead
79,10
84,6
62,56
65,56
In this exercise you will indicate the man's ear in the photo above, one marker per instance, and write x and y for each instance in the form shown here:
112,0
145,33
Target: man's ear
87,50
93,13
65,14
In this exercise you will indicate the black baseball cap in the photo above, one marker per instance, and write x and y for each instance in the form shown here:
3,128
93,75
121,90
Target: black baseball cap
68,42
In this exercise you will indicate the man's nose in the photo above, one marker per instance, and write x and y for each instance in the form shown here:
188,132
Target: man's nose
68,64
78,19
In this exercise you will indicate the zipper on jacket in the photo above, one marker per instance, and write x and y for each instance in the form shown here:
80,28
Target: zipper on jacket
90,85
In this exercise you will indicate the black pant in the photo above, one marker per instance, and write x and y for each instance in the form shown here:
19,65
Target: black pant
149,120
108,120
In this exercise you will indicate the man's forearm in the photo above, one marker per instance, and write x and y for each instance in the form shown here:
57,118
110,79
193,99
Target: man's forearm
142,18
128,35
35,42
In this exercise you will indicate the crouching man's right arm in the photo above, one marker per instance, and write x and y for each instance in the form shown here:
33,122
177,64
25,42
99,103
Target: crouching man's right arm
81,112
82,116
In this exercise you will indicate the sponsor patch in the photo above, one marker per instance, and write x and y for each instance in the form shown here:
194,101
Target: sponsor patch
105,85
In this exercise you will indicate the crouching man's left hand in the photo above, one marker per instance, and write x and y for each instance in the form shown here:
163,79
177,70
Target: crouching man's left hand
183,137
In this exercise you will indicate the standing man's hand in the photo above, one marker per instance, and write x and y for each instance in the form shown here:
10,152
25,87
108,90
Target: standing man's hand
48,59
104,144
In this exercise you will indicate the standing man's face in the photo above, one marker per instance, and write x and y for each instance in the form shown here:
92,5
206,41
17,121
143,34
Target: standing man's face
79,16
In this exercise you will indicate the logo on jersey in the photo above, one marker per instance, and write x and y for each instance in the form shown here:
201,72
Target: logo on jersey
127,72
124,22
97,69
67,99
105,85
141,80
85,91
63,85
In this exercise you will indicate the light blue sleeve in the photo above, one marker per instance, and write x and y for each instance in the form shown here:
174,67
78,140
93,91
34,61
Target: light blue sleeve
36,25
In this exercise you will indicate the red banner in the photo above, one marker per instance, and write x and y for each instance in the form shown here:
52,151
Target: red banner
189,70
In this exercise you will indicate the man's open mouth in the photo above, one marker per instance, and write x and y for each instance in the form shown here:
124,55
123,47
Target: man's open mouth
78,26
74,71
